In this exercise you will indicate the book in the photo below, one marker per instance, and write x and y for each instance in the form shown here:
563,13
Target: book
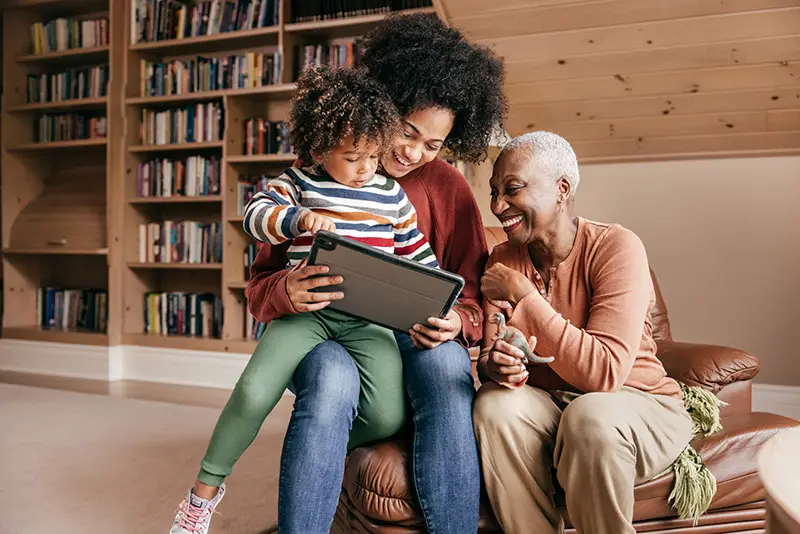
191,176
72,309
188,242
159,20
178,313
253,328
265,137
72,84
53,127
343,53
249,70
193,123
316,10
62,34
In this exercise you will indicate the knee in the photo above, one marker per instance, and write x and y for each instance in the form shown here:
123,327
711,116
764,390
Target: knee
590,422
446,364
497,407
327,382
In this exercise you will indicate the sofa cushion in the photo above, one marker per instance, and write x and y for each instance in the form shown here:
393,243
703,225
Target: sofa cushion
378,486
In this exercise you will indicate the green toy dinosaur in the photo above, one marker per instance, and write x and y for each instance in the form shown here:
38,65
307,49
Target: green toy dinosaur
514,337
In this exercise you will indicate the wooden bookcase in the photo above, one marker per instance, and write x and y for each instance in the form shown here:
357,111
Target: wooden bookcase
90,187
57,196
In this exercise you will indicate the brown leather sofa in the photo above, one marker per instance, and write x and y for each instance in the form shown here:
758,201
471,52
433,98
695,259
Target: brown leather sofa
377,496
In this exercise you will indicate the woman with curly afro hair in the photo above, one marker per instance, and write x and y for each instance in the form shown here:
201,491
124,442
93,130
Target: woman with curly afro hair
449,93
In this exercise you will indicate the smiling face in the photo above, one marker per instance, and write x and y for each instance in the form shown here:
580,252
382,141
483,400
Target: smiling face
422,136
352,165
525,198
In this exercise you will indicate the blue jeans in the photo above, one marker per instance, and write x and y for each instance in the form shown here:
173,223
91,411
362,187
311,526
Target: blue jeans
445,467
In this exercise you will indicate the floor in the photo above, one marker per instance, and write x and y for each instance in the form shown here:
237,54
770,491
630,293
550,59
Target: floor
92,457
186,395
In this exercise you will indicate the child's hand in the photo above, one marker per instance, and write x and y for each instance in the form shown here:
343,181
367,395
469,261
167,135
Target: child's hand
314,222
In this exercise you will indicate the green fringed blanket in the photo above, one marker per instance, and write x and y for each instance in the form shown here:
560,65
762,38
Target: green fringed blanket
695,484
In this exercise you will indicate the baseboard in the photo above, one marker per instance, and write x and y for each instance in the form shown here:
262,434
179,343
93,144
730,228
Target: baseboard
184,367
782,400
60,359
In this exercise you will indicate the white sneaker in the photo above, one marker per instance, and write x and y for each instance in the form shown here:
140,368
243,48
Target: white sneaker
194,514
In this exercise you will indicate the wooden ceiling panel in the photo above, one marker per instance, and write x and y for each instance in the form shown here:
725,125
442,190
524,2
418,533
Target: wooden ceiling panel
655,106
630,80
538,18
656,83
722,124
688,146
729,53
645,36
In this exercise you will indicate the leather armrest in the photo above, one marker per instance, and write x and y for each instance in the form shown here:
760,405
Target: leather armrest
709,366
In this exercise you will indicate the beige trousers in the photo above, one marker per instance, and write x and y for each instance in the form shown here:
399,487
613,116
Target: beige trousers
601,445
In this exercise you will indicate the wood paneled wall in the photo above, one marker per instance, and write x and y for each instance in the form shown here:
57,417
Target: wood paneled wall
640,79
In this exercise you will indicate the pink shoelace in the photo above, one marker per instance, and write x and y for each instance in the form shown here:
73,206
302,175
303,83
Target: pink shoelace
189,515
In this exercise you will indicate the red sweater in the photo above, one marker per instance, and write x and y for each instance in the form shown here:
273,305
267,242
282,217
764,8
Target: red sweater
447,215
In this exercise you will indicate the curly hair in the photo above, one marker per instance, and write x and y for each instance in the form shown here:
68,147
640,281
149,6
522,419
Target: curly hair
331,104
424,63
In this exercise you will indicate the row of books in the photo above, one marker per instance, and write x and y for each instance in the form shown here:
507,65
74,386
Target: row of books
66,34
157,20
245,71
72,309
72,84
183,314
194,123
266,137
192,176
253,328
50,128
313,10
343,54
246,189
250,252
180,242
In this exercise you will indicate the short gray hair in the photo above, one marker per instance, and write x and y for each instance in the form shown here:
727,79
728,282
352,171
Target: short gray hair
551,152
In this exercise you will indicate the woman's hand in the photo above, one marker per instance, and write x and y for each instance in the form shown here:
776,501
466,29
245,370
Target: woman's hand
500,283
301,280
504,365
439,331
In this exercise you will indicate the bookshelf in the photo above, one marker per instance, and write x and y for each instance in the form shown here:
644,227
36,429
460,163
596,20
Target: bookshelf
73,210
60,141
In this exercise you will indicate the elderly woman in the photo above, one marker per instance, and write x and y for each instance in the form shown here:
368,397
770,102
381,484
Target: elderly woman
603,413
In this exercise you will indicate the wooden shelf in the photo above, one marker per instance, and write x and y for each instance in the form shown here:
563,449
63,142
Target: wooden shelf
78,103
211,43
267,90
239,346
34,333
181,266
199,199
173,147
87,55
59,145
345,26
262,158
236,285
56,251
236,219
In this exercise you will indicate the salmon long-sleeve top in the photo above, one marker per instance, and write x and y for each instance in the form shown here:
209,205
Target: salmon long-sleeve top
447,214
594,318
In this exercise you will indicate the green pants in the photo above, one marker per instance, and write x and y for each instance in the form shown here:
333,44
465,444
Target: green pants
282,347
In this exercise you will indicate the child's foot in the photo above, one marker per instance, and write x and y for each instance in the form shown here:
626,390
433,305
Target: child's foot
194,514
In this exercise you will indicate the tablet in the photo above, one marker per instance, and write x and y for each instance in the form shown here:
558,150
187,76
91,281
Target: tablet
383,288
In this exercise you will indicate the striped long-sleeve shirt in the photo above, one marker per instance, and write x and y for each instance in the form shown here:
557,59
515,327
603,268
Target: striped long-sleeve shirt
377,214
